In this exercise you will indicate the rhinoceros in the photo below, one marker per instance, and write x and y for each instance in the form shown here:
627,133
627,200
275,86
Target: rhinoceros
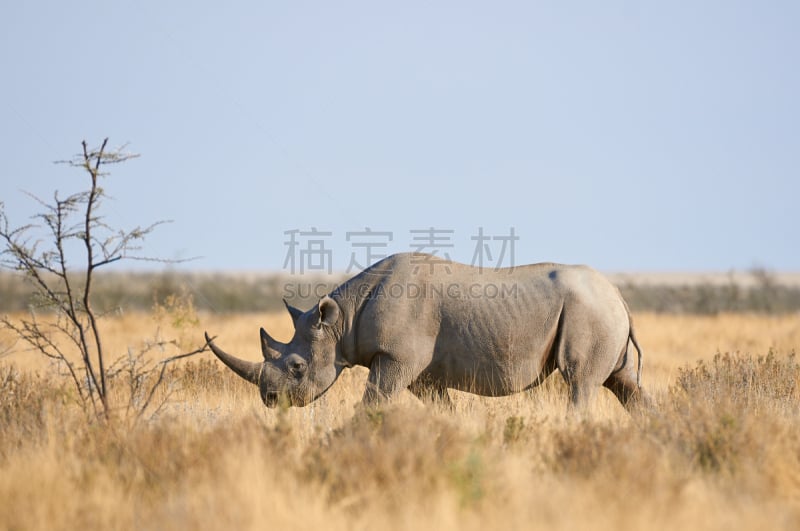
426,324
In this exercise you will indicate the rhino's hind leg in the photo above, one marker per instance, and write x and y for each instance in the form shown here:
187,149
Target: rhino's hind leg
584,362
581,394
580,376
623,383
627,392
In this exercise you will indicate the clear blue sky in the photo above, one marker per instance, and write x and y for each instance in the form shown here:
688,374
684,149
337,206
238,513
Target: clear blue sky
628,135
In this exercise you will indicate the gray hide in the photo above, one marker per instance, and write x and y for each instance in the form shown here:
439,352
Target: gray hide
425,324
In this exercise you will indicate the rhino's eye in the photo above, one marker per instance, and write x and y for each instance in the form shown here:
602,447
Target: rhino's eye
297,368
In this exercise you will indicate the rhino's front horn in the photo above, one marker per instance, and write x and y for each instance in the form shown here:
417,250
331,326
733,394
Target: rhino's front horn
248,370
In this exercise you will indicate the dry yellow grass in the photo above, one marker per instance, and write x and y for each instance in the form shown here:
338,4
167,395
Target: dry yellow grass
673,341
719,453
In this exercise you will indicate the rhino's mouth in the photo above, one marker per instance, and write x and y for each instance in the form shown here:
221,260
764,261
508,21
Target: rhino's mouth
271,399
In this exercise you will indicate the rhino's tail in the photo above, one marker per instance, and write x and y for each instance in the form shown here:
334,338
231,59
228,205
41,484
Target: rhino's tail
632,337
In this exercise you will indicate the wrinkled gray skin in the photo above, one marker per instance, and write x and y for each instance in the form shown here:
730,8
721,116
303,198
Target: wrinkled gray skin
424,324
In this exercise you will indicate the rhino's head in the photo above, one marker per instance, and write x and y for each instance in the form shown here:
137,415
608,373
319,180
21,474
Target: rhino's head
297,372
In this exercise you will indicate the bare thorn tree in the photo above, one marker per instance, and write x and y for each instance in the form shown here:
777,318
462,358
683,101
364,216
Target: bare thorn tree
67,291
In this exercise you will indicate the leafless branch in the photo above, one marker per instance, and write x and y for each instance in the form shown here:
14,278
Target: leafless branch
39,251
164,364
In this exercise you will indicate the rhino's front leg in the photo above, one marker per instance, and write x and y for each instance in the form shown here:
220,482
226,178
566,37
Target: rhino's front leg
428,390
387,378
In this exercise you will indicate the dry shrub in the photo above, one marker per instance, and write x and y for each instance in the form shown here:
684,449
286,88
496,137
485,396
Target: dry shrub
735,415
743,383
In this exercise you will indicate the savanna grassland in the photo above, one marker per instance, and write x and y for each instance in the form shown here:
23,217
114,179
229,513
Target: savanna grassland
721,449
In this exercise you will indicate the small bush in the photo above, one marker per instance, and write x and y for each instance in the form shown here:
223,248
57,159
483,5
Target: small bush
742,382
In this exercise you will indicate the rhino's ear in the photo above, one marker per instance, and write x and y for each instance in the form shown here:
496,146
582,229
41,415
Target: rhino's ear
294,312
328,311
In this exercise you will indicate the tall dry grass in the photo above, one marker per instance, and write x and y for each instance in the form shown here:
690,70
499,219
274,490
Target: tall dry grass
721,450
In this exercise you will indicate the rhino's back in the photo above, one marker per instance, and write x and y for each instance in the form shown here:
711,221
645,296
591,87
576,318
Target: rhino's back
439,292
